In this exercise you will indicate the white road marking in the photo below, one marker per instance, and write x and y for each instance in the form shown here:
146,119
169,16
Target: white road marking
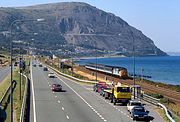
59,101
82,98
55,96
63,108
32,85
67,116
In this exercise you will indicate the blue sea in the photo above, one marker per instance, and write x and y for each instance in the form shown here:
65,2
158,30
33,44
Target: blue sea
161,69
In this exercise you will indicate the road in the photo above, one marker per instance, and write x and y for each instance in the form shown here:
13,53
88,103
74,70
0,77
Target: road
4,71
77,102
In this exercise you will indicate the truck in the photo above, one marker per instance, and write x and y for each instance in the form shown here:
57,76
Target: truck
118,94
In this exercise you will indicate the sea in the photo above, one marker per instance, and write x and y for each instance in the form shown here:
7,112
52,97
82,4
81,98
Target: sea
164,69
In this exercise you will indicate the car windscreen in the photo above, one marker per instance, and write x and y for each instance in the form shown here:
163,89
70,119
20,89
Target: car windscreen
139,110
123,89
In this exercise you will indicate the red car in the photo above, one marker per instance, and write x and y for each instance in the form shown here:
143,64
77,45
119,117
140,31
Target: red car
56,87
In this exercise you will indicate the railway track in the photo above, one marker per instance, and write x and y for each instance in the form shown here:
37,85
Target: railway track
167,93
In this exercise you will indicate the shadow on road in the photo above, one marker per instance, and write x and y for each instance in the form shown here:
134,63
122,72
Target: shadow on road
149,119
63,91
2,115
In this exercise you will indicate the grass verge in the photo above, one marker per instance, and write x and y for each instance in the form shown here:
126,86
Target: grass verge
17,103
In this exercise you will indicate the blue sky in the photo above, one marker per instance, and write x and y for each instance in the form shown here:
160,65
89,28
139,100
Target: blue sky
157,19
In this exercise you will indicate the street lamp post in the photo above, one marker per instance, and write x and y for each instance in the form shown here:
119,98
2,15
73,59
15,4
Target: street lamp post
96,63
11,62
133,64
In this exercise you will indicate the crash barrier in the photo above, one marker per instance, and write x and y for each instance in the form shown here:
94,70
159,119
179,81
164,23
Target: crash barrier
150,99
7,92
145,97
166,111
25,102
74,78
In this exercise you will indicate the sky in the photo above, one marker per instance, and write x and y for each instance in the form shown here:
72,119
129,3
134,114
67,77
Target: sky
157,19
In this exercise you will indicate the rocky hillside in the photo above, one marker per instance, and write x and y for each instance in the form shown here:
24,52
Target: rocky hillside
73,28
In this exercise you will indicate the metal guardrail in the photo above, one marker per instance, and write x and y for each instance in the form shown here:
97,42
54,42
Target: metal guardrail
146,97
74,78
156,101
6,92
23,108
150,99
167,113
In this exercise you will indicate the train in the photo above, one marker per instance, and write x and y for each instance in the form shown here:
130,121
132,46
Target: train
112,70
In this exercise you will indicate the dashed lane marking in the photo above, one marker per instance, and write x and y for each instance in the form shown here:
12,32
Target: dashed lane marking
63,108
83,99
67,116
107,102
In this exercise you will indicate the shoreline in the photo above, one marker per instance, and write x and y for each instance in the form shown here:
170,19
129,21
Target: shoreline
100,57
157,80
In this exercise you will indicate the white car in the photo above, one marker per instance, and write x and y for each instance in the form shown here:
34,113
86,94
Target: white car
133,104
51,75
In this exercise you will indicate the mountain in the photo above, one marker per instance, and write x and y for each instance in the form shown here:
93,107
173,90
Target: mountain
74,28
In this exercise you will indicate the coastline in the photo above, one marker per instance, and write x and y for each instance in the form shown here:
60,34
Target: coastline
99,57
161,73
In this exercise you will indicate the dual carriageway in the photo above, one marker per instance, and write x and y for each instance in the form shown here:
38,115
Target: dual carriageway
76,103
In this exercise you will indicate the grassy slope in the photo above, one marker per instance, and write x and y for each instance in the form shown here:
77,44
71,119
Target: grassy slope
16,102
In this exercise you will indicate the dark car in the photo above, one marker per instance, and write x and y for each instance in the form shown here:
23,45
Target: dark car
102,90
95,87
16,64
34,65
139,113
40,65
45,69
56,87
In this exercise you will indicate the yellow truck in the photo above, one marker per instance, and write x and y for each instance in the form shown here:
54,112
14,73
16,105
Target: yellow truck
118,94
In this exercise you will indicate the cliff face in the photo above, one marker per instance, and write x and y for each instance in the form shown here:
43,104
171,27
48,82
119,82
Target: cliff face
81,28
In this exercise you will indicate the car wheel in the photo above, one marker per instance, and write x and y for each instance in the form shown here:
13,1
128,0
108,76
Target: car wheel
114,101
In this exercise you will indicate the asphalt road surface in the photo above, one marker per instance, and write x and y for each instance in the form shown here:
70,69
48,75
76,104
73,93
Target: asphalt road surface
4,71
76,103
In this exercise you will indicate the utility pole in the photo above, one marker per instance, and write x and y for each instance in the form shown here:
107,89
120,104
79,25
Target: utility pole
20,72
96,63
133,64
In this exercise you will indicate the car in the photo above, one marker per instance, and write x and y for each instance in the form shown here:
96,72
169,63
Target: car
34,65
56,87
97,86
139,113
104,88
45,69
51,75
16,64
132,104
40,65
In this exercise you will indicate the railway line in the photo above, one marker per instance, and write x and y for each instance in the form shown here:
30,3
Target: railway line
172,95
